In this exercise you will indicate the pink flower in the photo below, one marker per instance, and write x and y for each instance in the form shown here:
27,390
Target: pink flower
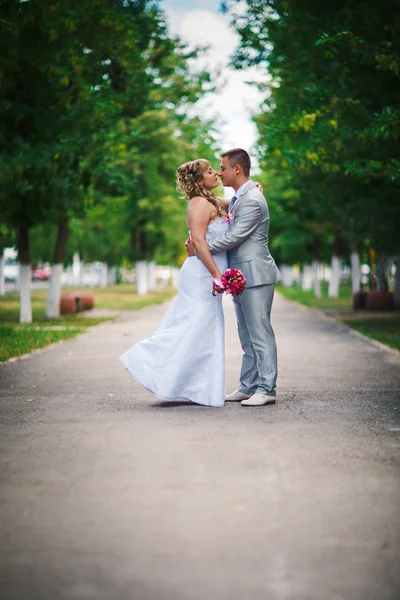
233,281
228,218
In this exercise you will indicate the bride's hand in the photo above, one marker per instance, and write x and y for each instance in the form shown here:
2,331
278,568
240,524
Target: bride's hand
260,187
189,247
217,286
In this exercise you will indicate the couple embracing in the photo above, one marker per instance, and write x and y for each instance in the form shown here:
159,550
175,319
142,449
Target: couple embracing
185,357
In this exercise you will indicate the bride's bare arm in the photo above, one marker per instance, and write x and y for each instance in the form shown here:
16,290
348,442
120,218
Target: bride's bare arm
199,213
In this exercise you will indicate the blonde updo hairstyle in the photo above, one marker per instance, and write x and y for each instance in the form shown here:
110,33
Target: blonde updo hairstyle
189,182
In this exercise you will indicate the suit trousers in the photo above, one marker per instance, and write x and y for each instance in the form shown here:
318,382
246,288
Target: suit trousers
259,364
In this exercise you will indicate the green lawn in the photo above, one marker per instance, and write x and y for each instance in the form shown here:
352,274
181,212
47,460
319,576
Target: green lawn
384,329
17,339
343,303
114,297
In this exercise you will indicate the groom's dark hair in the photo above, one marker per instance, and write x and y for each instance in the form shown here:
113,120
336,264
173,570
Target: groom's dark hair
238,156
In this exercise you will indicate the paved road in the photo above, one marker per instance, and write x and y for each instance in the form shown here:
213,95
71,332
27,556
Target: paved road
109,494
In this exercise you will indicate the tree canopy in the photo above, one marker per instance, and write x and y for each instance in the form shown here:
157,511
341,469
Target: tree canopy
329,127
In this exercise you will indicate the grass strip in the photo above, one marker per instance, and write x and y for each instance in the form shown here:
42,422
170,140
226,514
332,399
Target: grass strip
113,297
384,330
15,341
308,298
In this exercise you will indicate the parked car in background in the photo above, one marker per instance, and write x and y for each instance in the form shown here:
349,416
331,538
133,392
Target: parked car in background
11,264
41,272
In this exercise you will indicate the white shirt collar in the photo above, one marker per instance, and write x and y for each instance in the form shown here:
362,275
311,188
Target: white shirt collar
242,188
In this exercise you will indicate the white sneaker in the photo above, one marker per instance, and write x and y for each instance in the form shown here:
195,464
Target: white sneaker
259,400
236,396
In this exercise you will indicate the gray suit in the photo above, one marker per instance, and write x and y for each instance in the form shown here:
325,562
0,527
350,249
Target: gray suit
247,244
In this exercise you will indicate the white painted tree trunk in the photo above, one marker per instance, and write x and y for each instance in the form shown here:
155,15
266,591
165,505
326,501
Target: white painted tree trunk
82,273
316,279
334,282
396,287
287,275
2,276
307,279
151,274
103,275
54,292
25,314
142,285
355,271
175,277
76,268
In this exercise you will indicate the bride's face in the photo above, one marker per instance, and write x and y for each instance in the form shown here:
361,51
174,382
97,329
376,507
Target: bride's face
210,179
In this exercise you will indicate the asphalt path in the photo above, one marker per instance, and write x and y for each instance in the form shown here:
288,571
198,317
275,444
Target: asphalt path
107,493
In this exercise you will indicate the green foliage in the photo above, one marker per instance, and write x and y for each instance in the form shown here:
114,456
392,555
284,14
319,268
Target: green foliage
329,126
94,98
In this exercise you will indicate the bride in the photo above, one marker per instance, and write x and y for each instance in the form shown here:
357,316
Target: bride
185,357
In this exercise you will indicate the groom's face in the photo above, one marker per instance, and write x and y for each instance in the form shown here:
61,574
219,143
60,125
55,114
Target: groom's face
227,173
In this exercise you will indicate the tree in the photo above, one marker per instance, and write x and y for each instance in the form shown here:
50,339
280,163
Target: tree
329,126
89,69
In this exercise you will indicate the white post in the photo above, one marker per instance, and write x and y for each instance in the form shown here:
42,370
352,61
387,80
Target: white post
76,268
151,274
112,276
54,292
307,280
175,277
355,271
333,290
287,275
316,279
103,275
2,275
82,273
141,278
25,315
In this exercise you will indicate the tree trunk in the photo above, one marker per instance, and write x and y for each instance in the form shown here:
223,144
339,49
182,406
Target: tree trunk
25,313
54,292
307,279
396,287
334,282
141,278
381,276
355,269
175,277
287,275
316,280
315,268
103,275
151,274
2,274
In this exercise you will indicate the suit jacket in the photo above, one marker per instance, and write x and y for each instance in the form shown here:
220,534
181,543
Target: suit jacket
247,239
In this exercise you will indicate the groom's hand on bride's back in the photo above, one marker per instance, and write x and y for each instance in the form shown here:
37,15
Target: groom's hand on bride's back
189,247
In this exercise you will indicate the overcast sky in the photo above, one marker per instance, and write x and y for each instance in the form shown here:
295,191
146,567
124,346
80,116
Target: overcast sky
199,22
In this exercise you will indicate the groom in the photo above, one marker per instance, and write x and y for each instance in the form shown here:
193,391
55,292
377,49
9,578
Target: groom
247,243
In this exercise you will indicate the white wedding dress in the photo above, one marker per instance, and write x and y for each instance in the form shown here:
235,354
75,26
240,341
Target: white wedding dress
185,357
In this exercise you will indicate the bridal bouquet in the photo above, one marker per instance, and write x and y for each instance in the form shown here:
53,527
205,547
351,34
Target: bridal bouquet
233,281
